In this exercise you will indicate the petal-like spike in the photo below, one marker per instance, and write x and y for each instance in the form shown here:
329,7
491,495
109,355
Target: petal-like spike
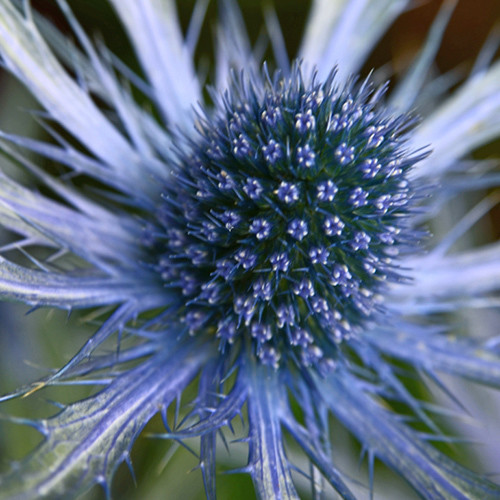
125,107
337,24
407,91
464,122
277,40
86,441
52,224
222,412
446,277
65,291
27,56
267,462
466,359
233,44
208,389
318,457
466,223
431,473
154,30
195,25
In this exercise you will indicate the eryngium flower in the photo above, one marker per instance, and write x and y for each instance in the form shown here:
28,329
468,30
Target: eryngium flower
265,245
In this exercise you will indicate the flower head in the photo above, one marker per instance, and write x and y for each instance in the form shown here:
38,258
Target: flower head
266,246
303,212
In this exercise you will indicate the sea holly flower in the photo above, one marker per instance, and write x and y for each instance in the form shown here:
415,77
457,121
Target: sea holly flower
267,246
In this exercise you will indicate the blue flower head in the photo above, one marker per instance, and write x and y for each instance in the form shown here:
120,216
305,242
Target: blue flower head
283,216
264,247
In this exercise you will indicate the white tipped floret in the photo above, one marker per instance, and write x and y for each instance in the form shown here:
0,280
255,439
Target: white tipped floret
297,229
261,228
288,192
280,261
358,197
304,288
253,188
305,122
344,154
262,289
326,190
305,156
272,152
319,255
333,226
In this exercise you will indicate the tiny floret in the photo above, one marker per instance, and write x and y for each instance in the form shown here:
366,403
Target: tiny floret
230,219
326,191
261,333
272,152
270,116
333,226
358,197
305,156
361,241
297,229
280,261
375,136
344,153
225,181
253,188
262,290
288,193
261,228
241,147
319,255
370,167
304,288
285,316
305,122
246,258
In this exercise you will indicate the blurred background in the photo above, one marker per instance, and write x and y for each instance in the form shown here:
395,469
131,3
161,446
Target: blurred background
30,344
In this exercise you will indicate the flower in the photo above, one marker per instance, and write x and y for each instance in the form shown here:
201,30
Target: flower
266,246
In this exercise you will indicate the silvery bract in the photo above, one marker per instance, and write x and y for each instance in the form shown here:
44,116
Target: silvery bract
269,244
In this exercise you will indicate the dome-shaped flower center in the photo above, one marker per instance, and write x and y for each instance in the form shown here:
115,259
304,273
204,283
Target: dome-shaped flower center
284,215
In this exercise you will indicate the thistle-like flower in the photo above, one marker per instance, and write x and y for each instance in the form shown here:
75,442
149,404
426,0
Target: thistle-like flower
269,246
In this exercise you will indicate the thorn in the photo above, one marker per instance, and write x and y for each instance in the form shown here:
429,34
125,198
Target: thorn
37,387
